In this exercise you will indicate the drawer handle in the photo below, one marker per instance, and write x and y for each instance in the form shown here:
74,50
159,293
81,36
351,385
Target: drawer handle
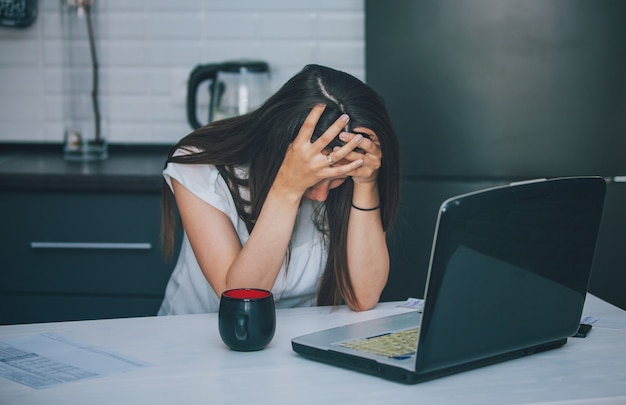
89,245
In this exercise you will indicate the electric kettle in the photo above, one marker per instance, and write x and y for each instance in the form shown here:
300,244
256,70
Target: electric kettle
235,88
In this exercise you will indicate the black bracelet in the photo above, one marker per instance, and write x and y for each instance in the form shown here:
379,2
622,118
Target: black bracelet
365,209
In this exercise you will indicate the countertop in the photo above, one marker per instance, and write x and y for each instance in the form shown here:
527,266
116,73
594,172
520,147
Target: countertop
42,167
187,363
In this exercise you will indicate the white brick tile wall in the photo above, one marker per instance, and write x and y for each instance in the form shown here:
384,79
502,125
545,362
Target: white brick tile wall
147,48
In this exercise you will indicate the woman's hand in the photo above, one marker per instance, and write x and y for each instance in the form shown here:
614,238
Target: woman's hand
305,163
368,171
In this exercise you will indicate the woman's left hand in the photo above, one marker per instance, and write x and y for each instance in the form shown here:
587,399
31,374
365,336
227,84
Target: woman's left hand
368,172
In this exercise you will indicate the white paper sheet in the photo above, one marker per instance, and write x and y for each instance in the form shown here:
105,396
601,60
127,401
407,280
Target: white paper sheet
413,303
49,359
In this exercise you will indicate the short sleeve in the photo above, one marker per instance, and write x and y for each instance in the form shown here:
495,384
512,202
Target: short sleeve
205,182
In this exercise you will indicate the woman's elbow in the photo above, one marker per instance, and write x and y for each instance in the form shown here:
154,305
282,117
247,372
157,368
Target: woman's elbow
364,304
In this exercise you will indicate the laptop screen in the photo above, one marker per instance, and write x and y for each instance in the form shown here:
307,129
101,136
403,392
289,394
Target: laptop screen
509,270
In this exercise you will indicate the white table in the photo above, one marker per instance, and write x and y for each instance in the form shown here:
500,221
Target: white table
190,365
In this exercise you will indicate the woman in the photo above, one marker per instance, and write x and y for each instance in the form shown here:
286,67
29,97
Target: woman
295,197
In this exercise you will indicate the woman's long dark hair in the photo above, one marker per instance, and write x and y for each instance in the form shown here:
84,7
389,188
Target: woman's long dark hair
259,140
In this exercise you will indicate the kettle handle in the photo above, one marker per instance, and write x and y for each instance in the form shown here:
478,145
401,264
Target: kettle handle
199,74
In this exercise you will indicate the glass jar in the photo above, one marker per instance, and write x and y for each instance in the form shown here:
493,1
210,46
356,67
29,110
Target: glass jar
83,139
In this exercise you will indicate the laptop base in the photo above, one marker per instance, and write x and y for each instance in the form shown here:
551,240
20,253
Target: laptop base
400,375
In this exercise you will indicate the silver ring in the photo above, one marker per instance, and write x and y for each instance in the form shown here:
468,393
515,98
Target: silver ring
330,160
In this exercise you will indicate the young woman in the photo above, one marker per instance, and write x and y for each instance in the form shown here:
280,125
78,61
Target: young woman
295,197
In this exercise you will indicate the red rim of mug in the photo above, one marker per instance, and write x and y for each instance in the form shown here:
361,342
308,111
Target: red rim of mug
247,293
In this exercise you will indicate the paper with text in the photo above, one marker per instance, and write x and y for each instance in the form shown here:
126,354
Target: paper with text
49,359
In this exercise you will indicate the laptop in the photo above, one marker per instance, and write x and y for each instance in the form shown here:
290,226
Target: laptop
508,275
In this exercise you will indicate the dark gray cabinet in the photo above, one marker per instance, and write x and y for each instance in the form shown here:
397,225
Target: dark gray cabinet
80,240
80,255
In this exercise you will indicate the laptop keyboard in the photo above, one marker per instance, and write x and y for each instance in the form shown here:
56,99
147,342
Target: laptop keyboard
400,345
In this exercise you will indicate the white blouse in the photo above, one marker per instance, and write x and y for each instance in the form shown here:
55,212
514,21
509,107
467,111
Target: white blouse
189,292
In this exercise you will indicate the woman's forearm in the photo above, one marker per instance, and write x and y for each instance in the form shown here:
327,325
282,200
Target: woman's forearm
368,256
261,258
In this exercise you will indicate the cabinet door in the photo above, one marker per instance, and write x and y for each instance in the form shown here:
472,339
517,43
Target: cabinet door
62,244
40,307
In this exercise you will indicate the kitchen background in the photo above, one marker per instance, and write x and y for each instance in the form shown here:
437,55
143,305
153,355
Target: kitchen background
482,93
147,49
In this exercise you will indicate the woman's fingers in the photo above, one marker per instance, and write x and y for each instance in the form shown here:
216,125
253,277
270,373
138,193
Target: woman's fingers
369,151
339,154
307,128
331,132
370,143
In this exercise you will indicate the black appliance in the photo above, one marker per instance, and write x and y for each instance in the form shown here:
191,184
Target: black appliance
234,88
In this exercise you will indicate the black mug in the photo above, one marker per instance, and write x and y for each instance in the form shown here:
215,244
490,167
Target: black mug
247,318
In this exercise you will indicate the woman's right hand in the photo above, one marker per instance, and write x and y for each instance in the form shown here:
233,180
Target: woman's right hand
305,163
